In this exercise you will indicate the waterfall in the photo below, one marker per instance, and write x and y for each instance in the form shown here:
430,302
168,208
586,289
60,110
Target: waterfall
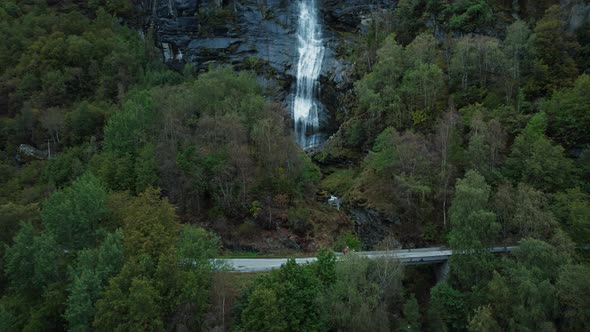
306,106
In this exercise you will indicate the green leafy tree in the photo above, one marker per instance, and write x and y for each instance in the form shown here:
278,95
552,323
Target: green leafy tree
116,171
568,113
94,267
168,291
129,129
447,310
483,321
117,7
476,61
377,91
113,305
144,307
468,15
473,228
556,49
499,295
197,245
518,47
6,319
541,256
422,87
66,167
364,292
263,312
46,314
74,214
355,300
33,261
572,209
524,212
84,121
184,288
397,176
411,321
532,217
572,289
485,151
146,173
184,276
149,224
524,296
349,240
407,19
537,161
423,50
326,267
298,295
19,259
295,290
11,217
84,291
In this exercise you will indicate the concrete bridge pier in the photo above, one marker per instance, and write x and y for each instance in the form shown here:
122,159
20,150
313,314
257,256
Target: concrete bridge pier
442,271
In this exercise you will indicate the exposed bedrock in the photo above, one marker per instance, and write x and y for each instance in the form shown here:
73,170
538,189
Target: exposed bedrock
259,35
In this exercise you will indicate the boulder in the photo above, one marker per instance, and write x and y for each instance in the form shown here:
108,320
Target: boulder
26,153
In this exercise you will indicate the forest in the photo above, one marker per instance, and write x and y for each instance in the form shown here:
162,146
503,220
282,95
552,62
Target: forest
124,183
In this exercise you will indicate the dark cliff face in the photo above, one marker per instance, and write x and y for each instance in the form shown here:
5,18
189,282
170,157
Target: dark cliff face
260,35
347,15
241,33
254,34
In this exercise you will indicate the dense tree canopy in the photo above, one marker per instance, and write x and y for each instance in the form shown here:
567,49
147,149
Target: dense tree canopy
462,124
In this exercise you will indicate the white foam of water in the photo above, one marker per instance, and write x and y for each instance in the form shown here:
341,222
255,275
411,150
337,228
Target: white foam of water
306,107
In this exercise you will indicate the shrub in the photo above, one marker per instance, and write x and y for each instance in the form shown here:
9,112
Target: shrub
349,240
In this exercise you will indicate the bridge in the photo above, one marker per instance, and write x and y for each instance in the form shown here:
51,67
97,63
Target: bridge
439,255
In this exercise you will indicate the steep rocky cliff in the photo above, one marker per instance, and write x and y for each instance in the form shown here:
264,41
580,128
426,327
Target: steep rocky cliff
256,34
200,32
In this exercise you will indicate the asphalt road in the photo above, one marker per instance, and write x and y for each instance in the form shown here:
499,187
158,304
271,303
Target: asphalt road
405,256
262,264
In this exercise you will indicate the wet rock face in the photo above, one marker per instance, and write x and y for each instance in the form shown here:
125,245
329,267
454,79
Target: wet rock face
230,31
260,35
239,33
348,15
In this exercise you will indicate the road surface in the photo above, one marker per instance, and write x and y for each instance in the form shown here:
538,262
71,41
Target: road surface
405,256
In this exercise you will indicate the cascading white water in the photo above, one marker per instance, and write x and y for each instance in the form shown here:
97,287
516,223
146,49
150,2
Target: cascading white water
306,107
